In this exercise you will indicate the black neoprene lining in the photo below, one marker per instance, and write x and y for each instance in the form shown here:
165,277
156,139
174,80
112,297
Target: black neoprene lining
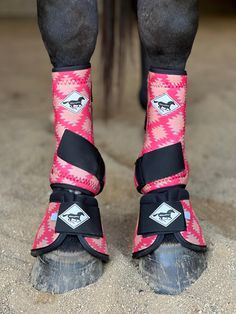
80,153
66,187
172,193
56,244
72,68
167,71
159,241
159,164
62,195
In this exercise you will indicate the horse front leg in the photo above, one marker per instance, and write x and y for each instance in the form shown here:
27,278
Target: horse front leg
70,245
171,251
145,65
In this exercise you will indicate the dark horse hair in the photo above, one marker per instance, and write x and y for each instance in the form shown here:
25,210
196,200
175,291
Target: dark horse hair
117,20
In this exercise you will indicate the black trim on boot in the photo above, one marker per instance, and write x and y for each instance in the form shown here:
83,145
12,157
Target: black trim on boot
72,68
167,71
151,248
55,245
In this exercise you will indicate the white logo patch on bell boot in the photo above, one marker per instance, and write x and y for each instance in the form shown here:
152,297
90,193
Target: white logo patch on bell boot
74,216
165,104
75,102
165,215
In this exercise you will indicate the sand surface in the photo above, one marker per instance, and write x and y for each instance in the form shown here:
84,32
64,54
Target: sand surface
26,154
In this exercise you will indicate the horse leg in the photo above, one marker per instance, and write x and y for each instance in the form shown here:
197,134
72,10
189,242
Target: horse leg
70,253
144,75
172,254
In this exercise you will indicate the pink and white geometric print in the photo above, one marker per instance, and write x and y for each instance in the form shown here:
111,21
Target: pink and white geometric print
166,118
193,233
72,111
46,233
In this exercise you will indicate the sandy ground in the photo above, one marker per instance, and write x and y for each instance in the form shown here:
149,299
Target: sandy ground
26,155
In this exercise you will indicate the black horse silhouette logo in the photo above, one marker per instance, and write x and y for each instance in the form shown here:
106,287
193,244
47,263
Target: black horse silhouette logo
164,106
75,104
165,216
74,217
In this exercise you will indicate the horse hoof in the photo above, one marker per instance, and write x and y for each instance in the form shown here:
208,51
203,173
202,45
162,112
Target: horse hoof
64,270
172,268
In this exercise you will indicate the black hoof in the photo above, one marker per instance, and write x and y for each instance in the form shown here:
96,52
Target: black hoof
67,268
172,268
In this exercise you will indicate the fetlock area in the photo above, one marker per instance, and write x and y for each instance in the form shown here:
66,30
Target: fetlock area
72,213
71,242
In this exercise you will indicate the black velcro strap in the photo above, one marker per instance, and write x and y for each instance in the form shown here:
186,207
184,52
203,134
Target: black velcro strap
162,212
79,152
159,164
81,218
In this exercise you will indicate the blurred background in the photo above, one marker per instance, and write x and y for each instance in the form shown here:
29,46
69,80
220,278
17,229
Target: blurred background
27,144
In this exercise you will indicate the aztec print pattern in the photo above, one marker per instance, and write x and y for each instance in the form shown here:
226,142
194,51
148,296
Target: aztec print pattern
142,243
65,85
193,233
99,245
46,233
80,122
166,120
165,129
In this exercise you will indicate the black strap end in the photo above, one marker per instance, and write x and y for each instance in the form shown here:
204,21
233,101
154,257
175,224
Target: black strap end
159,164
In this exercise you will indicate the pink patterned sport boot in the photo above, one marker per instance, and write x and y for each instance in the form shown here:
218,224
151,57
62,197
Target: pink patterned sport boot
168,238
70,244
